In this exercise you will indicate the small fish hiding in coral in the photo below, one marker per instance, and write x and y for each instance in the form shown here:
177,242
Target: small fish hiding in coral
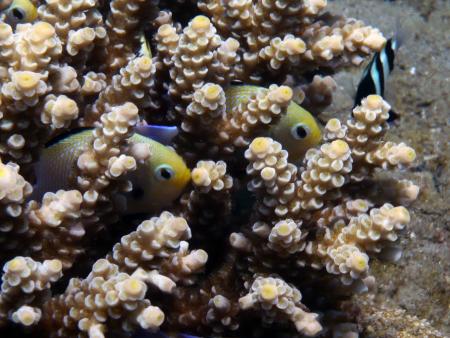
20,11
155,184
375,75
144,49
297,130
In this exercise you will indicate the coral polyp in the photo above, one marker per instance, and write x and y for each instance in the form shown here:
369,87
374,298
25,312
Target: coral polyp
248,216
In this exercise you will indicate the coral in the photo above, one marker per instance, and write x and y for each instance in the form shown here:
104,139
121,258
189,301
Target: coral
276,299
252,237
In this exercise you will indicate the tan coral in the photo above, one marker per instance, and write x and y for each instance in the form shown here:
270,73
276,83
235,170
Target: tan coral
13,187
130,85
334,130
106,293
26,315
319,93
211,192
35,46
391,155
211,175
225,60
66,15
408,191
279,300
207,107
166,43
364,134
283,51
24,90
253,116
94,83
6,43
193,56
287,237
80,40
184,264
157,237
326,169
23,278
56,207
274,177
343,248
123,30
64,79
59,111
116,126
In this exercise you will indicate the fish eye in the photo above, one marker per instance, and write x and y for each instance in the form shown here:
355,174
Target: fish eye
164,172
16,14
300,131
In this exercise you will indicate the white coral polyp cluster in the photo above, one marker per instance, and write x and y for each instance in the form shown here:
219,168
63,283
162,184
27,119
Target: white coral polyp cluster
287,237
108,293
282,51
347,259
27,315
211,175
56,207
36,44
325,170
119,119
118,166
13,187
209,99
157,237
359,36
25,88
313,7
59,111
80,39
29,276
280,300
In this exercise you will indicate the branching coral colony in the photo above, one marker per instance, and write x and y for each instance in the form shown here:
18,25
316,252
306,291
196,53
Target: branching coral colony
284,254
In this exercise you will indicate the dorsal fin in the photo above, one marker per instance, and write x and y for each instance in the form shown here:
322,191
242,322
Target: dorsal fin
161,134
63,136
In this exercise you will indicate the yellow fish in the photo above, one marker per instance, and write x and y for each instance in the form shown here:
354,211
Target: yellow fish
20,11
156,183
297,130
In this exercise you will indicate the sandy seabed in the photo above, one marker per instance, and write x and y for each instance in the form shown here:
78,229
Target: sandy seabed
419,90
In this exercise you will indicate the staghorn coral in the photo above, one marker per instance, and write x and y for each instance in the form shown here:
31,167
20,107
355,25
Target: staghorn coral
265,235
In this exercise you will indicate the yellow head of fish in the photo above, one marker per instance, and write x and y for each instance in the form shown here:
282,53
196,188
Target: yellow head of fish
20,11
297,131
160,180
156,183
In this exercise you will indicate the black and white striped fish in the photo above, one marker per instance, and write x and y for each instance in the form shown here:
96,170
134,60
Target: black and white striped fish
375,75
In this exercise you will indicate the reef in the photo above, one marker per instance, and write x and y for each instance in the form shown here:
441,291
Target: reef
255,240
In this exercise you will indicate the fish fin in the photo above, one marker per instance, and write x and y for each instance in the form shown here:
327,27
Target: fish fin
160,134
65,135
390,253
145,49
392,116
403,32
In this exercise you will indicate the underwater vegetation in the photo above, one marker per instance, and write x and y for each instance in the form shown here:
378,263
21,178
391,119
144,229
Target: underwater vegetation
163,170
